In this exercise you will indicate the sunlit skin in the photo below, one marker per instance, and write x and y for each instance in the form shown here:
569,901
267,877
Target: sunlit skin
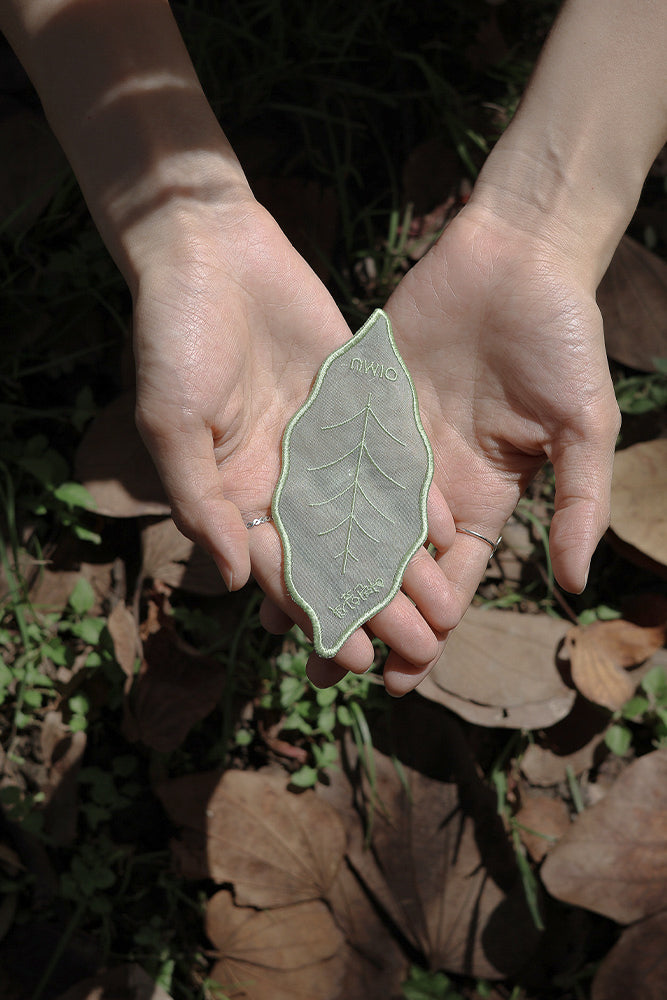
498,323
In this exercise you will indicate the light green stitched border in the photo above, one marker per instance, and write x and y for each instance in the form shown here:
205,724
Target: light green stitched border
324,651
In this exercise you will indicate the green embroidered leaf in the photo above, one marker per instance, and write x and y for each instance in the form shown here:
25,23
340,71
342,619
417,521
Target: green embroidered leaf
350,505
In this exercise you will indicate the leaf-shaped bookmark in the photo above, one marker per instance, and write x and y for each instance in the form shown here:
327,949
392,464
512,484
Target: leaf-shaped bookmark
350,504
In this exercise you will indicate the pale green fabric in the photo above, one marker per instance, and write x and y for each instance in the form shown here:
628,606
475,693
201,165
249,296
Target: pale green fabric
350,505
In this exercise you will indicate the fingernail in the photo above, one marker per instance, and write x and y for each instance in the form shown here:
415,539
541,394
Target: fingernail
225,571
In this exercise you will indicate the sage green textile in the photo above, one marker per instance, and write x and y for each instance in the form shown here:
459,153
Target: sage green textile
350,505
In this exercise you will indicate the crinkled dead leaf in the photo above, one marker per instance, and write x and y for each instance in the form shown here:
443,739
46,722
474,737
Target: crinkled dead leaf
291,953
638,490
113,464
613,860
500,669
275,847
633,301
636,967
174,689
601,653
127,982
169,556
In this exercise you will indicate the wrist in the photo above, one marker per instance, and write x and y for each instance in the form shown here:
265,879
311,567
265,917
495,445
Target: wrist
558,194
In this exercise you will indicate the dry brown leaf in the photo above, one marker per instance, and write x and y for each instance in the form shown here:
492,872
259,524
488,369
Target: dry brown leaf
613,860
127,982
600,654
275,847
169,556
499,669
633,301
62,752
175,688
542,822
572,743
122,627
292,953
451,899
638,490
440,866
375,964
113,464
636,967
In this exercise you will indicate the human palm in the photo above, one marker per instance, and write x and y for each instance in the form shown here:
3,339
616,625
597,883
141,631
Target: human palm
506,350
229,335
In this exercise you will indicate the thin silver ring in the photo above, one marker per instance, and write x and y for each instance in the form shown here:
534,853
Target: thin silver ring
475,534
259,520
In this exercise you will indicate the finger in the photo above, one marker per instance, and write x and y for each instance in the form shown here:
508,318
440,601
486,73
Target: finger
273,619
185,462
427,586
355,654
401,627
464,565
583,472
324,673
441,527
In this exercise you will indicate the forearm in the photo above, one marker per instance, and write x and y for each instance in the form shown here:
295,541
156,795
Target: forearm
120,92
571,165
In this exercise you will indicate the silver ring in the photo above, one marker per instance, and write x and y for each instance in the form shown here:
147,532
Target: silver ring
475,534
259,520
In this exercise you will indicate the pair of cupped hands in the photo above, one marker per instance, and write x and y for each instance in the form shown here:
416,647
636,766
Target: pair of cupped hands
505,348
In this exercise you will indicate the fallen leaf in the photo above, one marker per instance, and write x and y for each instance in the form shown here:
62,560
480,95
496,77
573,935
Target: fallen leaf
438,866
636,967
633,301
169,556
613,860
62,753
113,464
447,900
175,688
542,822
573,743
127,982
500,669
375,964
124,632
292,953
600,653
638,509
274,846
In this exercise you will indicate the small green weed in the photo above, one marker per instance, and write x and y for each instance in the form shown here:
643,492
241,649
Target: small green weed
316,715
423,984
646,710
643,393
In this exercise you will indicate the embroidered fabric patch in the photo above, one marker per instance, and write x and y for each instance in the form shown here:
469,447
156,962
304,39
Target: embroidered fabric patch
350,505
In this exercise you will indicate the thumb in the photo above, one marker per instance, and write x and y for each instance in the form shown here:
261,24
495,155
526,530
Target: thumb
186,464
583,502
